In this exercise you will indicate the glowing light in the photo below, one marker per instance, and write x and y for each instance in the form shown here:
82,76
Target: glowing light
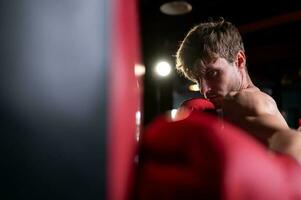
173,113
163,68
194,88
139,70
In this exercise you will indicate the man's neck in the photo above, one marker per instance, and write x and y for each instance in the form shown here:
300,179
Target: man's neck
246,81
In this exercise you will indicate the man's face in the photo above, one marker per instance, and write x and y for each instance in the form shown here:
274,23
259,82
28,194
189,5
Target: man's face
218,78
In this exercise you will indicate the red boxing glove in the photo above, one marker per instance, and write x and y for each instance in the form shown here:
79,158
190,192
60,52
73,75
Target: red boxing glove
199,105
194,159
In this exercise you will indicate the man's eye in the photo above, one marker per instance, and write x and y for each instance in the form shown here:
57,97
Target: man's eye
211,74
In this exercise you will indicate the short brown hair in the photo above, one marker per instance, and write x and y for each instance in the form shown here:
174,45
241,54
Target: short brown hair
207,41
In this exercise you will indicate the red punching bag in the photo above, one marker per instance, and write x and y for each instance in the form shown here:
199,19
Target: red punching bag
124,98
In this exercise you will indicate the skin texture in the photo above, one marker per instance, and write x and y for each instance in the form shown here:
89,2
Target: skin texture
228,86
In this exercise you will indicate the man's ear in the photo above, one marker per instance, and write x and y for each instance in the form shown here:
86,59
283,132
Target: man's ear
240,60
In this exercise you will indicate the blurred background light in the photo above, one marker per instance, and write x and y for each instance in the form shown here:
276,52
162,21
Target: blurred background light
194,88
163,68
139,70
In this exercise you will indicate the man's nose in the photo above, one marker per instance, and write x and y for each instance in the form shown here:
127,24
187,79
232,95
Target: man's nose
204,88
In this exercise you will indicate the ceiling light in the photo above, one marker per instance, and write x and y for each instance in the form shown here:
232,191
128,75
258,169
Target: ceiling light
176,8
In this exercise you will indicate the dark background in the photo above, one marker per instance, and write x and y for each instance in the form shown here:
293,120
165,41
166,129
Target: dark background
271,32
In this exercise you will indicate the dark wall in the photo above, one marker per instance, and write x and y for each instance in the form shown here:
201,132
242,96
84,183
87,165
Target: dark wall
291,99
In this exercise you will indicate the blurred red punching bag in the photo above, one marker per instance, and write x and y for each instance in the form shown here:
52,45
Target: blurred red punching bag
124,97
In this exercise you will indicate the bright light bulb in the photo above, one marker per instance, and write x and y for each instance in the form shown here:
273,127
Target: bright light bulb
163,68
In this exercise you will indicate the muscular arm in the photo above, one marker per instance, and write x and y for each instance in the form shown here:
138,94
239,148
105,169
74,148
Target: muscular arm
265,118
276,135
263,126
258,114
255,112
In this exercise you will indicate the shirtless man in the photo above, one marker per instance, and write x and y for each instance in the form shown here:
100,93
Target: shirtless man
212,55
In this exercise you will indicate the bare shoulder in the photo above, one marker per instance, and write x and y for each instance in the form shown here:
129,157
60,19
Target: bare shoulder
255,101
